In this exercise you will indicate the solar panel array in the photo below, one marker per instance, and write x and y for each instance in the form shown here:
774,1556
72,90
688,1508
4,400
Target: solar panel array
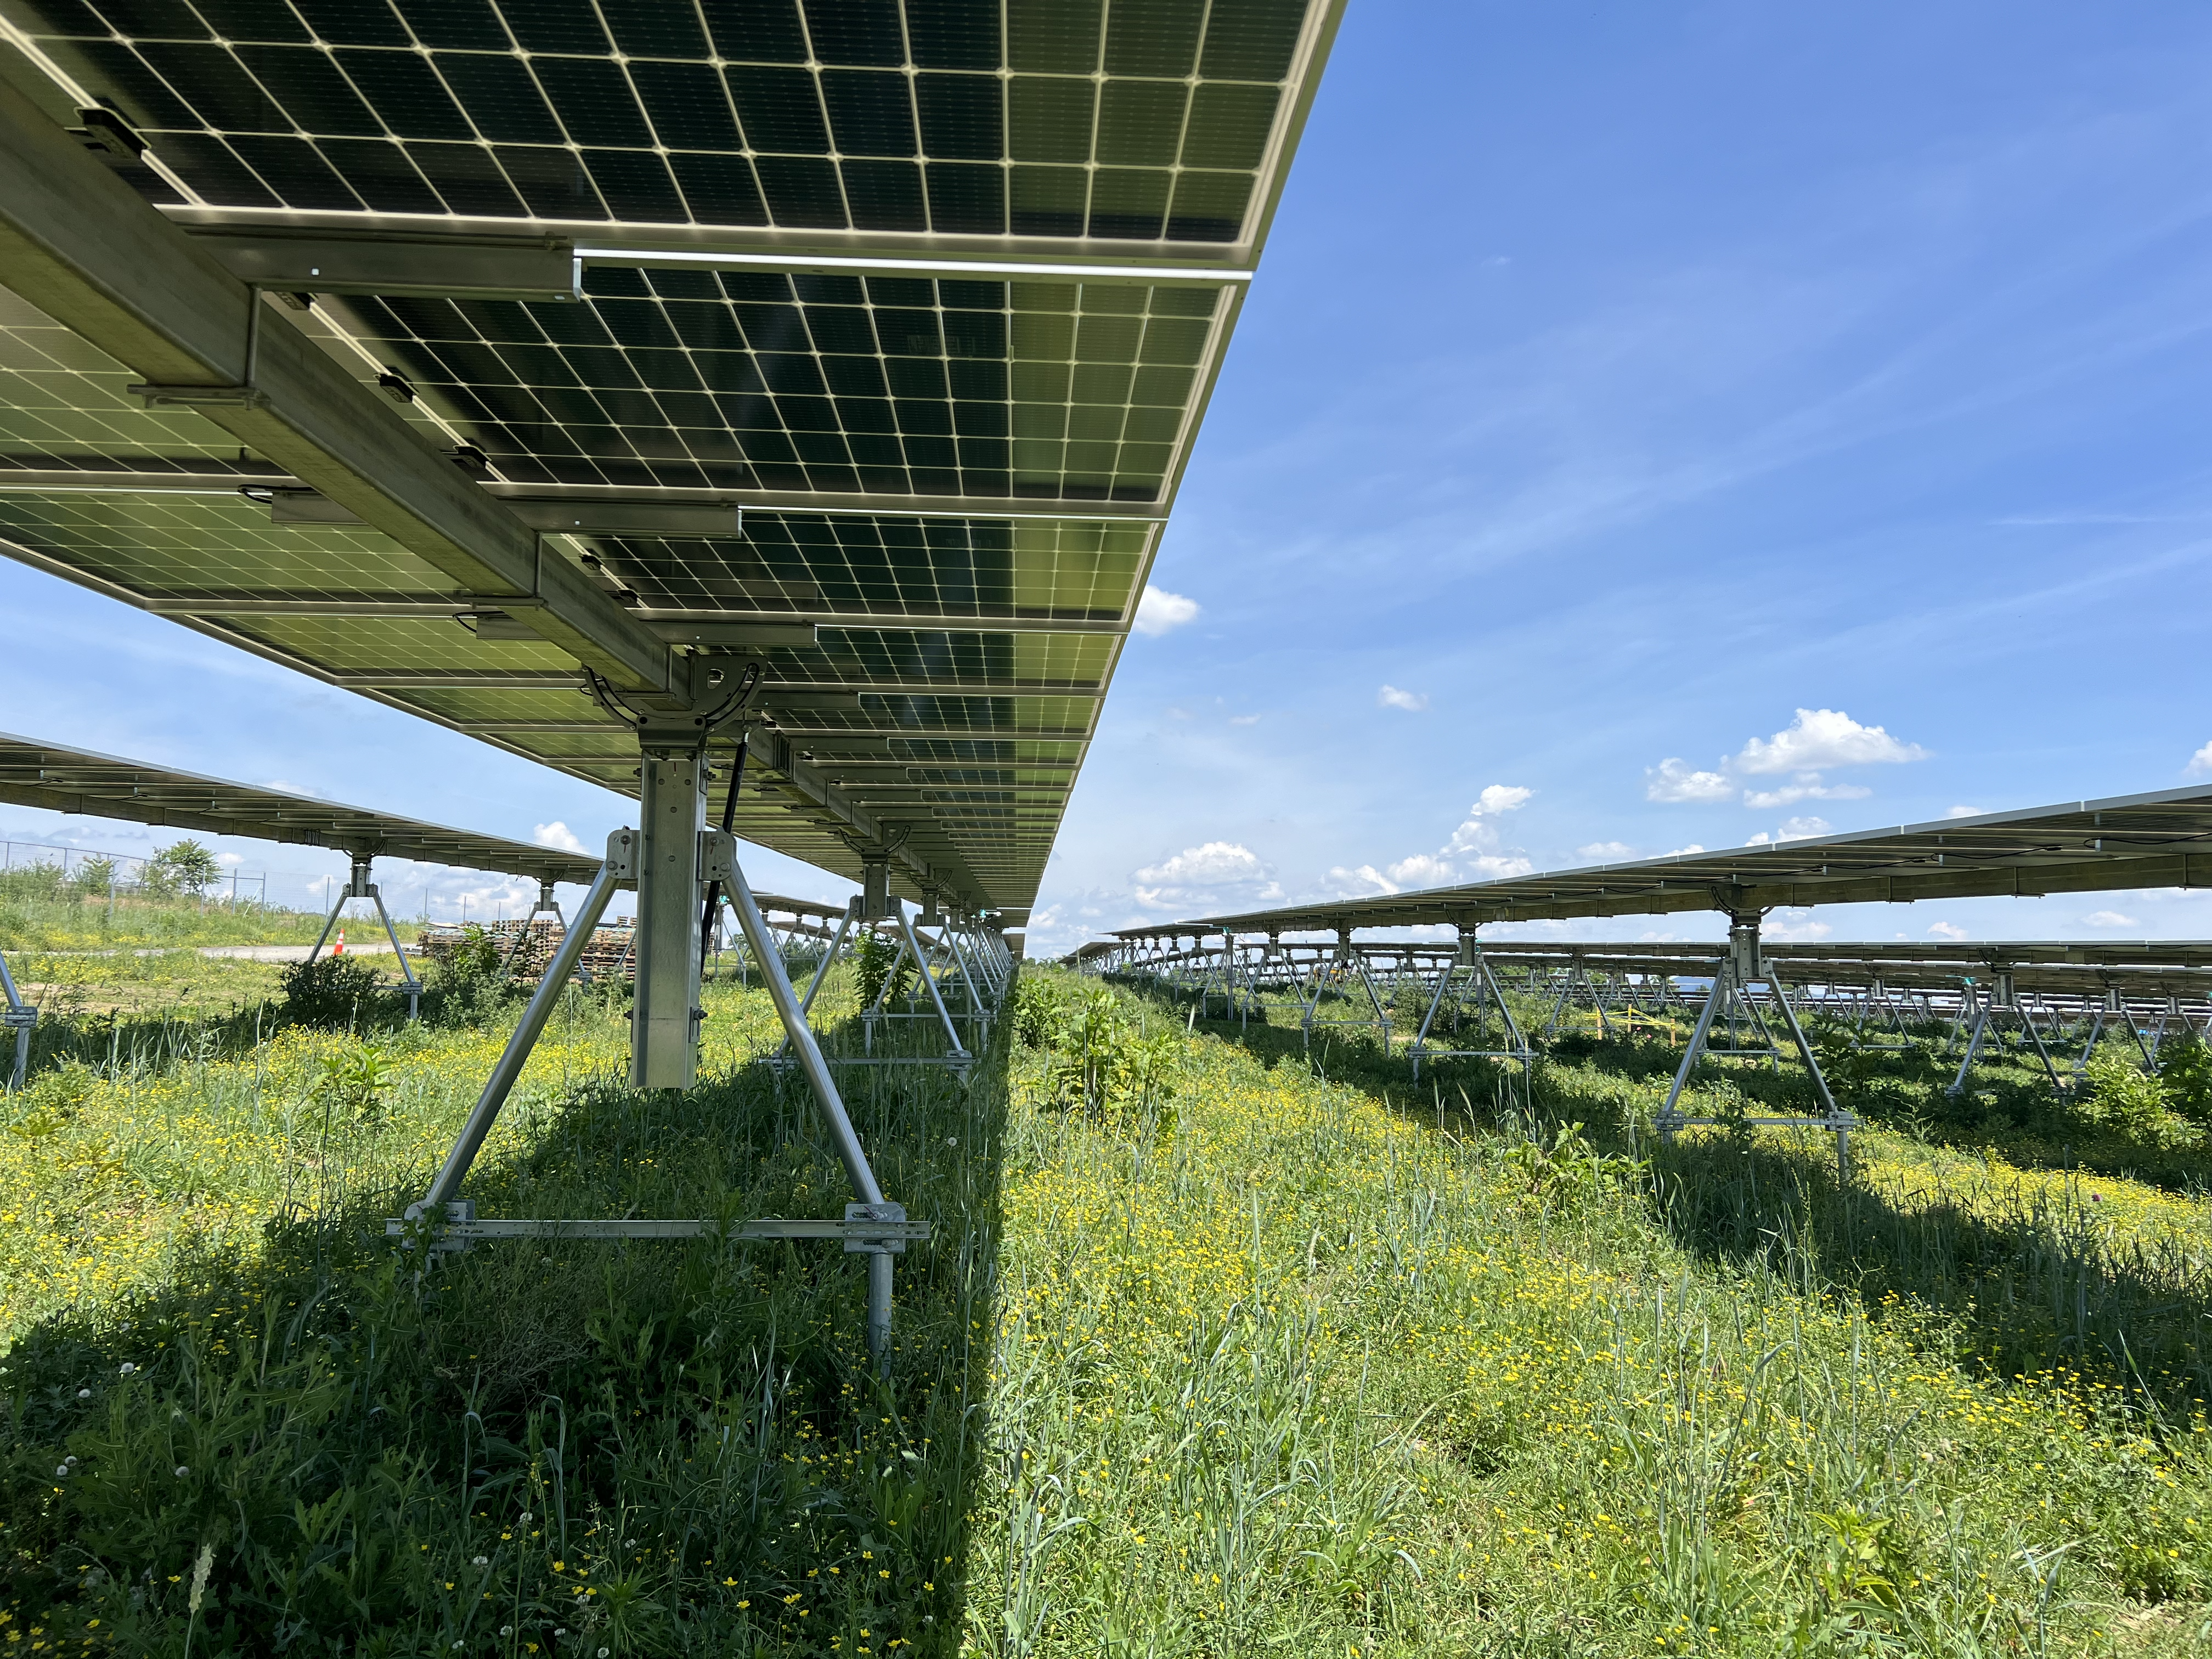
2161,839
933,290
45,775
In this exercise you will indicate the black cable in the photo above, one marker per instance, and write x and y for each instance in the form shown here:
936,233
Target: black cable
729,818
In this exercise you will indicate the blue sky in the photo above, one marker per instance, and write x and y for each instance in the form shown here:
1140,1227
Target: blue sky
1620,381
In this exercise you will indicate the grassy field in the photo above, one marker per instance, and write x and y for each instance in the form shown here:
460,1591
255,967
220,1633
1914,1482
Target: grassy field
1219,1348
40,910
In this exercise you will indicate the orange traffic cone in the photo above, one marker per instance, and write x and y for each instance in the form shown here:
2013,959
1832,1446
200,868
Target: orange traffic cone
339,949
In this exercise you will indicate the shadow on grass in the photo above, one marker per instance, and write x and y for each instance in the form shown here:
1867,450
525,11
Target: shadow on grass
631,1448
2018,1283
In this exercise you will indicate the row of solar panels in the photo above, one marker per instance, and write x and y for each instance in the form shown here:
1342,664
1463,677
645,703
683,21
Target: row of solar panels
865,341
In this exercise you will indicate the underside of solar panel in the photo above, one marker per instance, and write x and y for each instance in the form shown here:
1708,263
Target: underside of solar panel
520,362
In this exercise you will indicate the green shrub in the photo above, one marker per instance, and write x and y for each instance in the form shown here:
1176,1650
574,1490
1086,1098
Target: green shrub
872,966
2184,1066
334,993
2136,1103
353,1084
1039,1011
467,985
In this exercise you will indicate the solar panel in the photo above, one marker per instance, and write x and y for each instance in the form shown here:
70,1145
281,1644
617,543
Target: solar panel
63,779
933,291
2162,839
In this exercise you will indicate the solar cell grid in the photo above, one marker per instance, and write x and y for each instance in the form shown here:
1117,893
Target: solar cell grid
831,384
1148,120
717,144
171,545
954,568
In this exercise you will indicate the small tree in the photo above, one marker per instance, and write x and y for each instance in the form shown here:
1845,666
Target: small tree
91,876
183,867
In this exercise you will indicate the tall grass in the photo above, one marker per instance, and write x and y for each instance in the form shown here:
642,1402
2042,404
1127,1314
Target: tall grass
41,909
1251,1353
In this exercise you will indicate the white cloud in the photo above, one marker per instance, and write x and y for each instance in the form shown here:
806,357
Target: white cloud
1391,697
1673,779
1244,719
1820,738
1681,852
1476,834
1605,850
1364,881
2199,764
556,834
2109,919
1497,798
291,788
1158,611
1421,870
1795,932
1950,930
1975,811
1809,788
1792,830
1498,866
1216,864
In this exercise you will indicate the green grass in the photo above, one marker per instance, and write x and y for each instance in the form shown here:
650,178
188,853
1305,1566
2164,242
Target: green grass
1259,1356
39,911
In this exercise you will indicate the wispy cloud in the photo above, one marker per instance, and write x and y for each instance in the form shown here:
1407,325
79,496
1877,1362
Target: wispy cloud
1949,930
2109,919
1390,697
1790,793
1605,850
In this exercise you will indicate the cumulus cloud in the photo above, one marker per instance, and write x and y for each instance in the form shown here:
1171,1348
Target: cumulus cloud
1949,930
2109,919
1497,798
1496,866
1158,611
1216,864
1421,870
1473,853
1390,697
556,834
2199,764
1795,932
1682,852
1975,811
1204,877
1818,739
1822,738
1360,881
1604,850
1674,780
1792,830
